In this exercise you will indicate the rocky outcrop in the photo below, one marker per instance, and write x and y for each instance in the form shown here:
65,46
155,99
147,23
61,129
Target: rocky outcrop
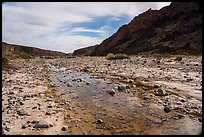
175,29
11,49
84,51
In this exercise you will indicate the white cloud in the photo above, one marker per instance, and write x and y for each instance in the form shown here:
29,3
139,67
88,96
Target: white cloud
40,24
85,30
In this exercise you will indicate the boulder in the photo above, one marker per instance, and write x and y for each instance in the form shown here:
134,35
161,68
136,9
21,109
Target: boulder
43,124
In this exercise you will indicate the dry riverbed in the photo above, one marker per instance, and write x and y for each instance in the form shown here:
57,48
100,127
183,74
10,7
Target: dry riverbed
95,96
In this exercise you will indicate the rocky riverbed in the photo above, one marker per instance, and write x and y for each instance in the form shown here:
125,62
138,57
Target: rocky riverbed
96,96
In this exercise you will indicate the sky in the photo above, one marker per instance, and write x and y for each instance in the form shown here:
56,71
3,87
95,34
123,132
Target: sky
67,26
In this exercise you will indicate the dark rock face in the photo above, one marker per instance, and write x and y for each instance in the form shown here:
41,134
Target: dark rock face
176,29
11,48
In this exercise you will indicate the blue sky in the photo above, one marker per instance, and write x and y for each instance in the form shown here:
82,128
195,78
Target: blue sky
67,26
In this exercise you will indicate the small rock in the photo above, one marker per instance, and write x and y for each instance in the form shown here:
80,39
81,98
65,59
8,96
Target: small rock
180,116
34,121
42,95
28,114
120,87
88,83
21,112
157,121
79,86
160,92
48,113
183,100
11,92
121,117
69,85
99,121
63,128
146,97
178,103
200,119
47,100
21,103
34,107
24,125
167,109
189,79
49,106
111,92
156,86
127,87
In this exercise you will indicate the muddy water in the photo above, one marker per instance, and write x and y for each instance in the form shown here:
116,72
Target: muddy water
122,113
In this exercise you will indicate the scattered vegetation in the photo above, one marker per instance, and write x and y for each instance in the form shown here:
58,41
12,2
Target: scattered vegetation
51,91
178,58
112,56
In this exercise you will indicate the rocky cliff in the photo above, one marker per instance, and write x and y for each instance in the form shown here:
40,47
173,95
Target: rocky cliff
11,49
175,29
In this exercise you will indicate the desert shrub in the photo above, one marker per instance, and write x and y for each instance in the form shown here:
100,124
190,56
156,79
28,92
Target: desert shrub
4,61
24,56
67,57
178,58
112,56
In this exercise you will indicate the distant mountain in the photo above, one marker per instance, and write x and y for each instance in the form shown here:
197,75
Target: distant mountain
84,51
10,49
175,29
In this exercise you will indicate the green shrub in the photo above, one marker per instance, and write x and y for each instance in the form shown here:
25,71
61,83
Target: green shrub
111,56
179,58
